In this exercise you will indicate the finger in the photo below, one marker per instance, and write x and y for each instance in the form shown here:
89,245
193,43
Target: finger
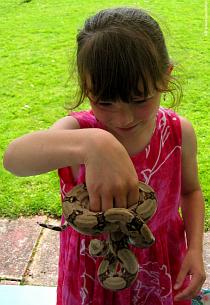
192,290
186,294
120,201
133,196
180,278
95,202
107,202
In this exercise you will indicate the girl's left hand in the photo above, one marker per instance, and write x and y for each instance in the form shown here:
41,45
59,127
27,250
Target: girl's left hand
193,265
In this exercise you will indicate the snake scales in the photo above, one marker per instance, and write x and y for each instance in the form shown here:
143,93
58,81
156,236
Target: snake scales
119,266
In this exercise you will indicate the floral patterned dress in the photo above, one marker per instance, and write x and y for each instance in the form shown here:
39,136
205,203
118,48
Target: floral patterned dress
158,165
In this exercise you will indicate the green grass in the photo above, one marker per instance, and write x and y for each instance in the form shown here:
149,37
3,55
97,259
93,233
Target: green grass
38,47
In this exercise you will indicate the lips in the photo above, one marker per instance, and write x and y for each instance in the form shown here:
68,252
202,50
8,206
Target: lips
127,128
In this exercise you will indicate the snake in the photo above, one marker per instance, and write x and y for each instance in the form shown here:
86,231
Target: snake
122,227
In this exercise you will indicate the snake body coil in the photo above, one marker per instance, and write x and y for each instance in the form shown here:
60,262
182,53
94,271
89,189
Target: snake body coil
119,266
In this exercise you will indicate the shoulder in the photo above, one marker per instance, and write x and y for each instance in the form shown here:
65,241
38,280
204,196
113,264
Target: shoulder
169,126
85,118
67,122
189,142
190,179
180,129
168,117
76,120
179,124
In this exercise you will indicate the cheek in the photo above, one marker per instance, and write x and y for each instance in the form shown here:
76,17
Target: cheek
144,113
147,111
100,115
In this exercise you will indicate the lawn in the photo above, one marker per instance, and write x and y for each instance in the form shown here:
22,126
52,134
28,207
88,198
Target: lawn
37,57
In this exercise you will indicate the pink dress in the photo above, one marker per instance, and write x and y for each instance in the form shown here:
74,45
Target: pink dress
158,165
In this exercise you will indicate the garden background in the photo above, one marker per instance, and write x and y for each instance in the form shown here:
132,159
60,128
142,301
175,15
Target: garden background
37,80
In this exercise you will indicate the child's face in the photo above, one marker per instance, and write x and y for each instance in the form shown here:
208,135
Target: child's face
127,119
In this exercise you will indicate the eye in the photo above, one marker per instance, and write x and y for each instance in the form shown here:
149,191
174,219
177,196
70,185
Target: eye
105,104
136,101
139,101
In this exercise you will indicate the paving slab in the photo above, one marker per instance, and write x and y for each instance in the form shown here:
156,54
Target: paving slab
17,241
8,282
43,270
29,253
207,259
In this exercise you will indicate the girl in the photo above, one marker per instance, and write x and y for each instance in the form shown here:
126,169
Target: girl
124,68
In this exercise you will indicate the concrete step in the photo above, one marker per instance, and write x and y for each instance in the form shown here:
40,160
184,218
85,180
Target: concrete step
27,295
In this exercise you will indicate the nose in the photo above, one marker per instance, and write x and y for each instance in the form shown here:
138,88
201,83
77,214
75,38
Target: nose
124,116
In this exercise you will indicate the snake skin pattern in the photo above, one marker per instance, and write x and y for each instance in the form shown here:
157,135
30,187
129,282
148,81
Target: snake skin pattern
119,266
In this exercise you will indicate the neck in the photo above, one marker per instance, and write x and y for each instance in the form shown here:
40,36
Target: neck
139,140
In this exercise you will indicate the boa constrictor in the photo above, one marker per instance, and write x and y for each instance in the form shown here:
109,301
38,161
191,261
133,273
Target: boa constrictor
119,266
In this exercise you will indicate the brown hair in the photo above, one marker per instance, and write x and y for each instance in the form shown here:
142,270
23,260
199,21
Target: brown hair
123,53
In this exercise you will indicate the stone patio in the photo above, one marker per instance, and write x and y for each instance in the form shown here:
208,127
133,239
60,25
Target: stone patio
29,253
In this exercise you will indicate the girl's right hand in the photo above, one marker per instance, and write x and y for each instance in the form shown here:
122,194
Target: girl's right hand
110,175
111,178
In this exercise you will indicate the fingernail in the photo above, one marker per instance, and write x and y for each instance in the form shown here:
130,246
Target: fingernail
176,286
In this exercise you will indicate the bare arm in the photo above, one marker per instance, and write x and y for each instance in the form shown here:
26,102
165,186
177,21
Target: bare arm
192,199
64,145
41,151
60,146
192,206
44,151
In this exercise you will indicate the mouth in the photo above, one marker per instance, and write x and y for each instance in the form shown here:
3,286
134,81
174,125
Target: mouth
127,128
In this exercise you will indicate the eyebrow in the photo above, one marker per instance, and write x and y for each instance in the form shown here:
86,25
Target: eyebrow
142,97
134,98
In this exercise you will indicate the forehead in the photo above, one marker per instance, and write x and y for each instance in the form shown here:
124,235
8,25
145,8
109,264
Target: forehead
133,94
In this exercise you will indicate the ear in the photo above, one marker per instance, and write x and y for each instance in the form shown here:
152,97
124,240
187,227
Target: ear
169,68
